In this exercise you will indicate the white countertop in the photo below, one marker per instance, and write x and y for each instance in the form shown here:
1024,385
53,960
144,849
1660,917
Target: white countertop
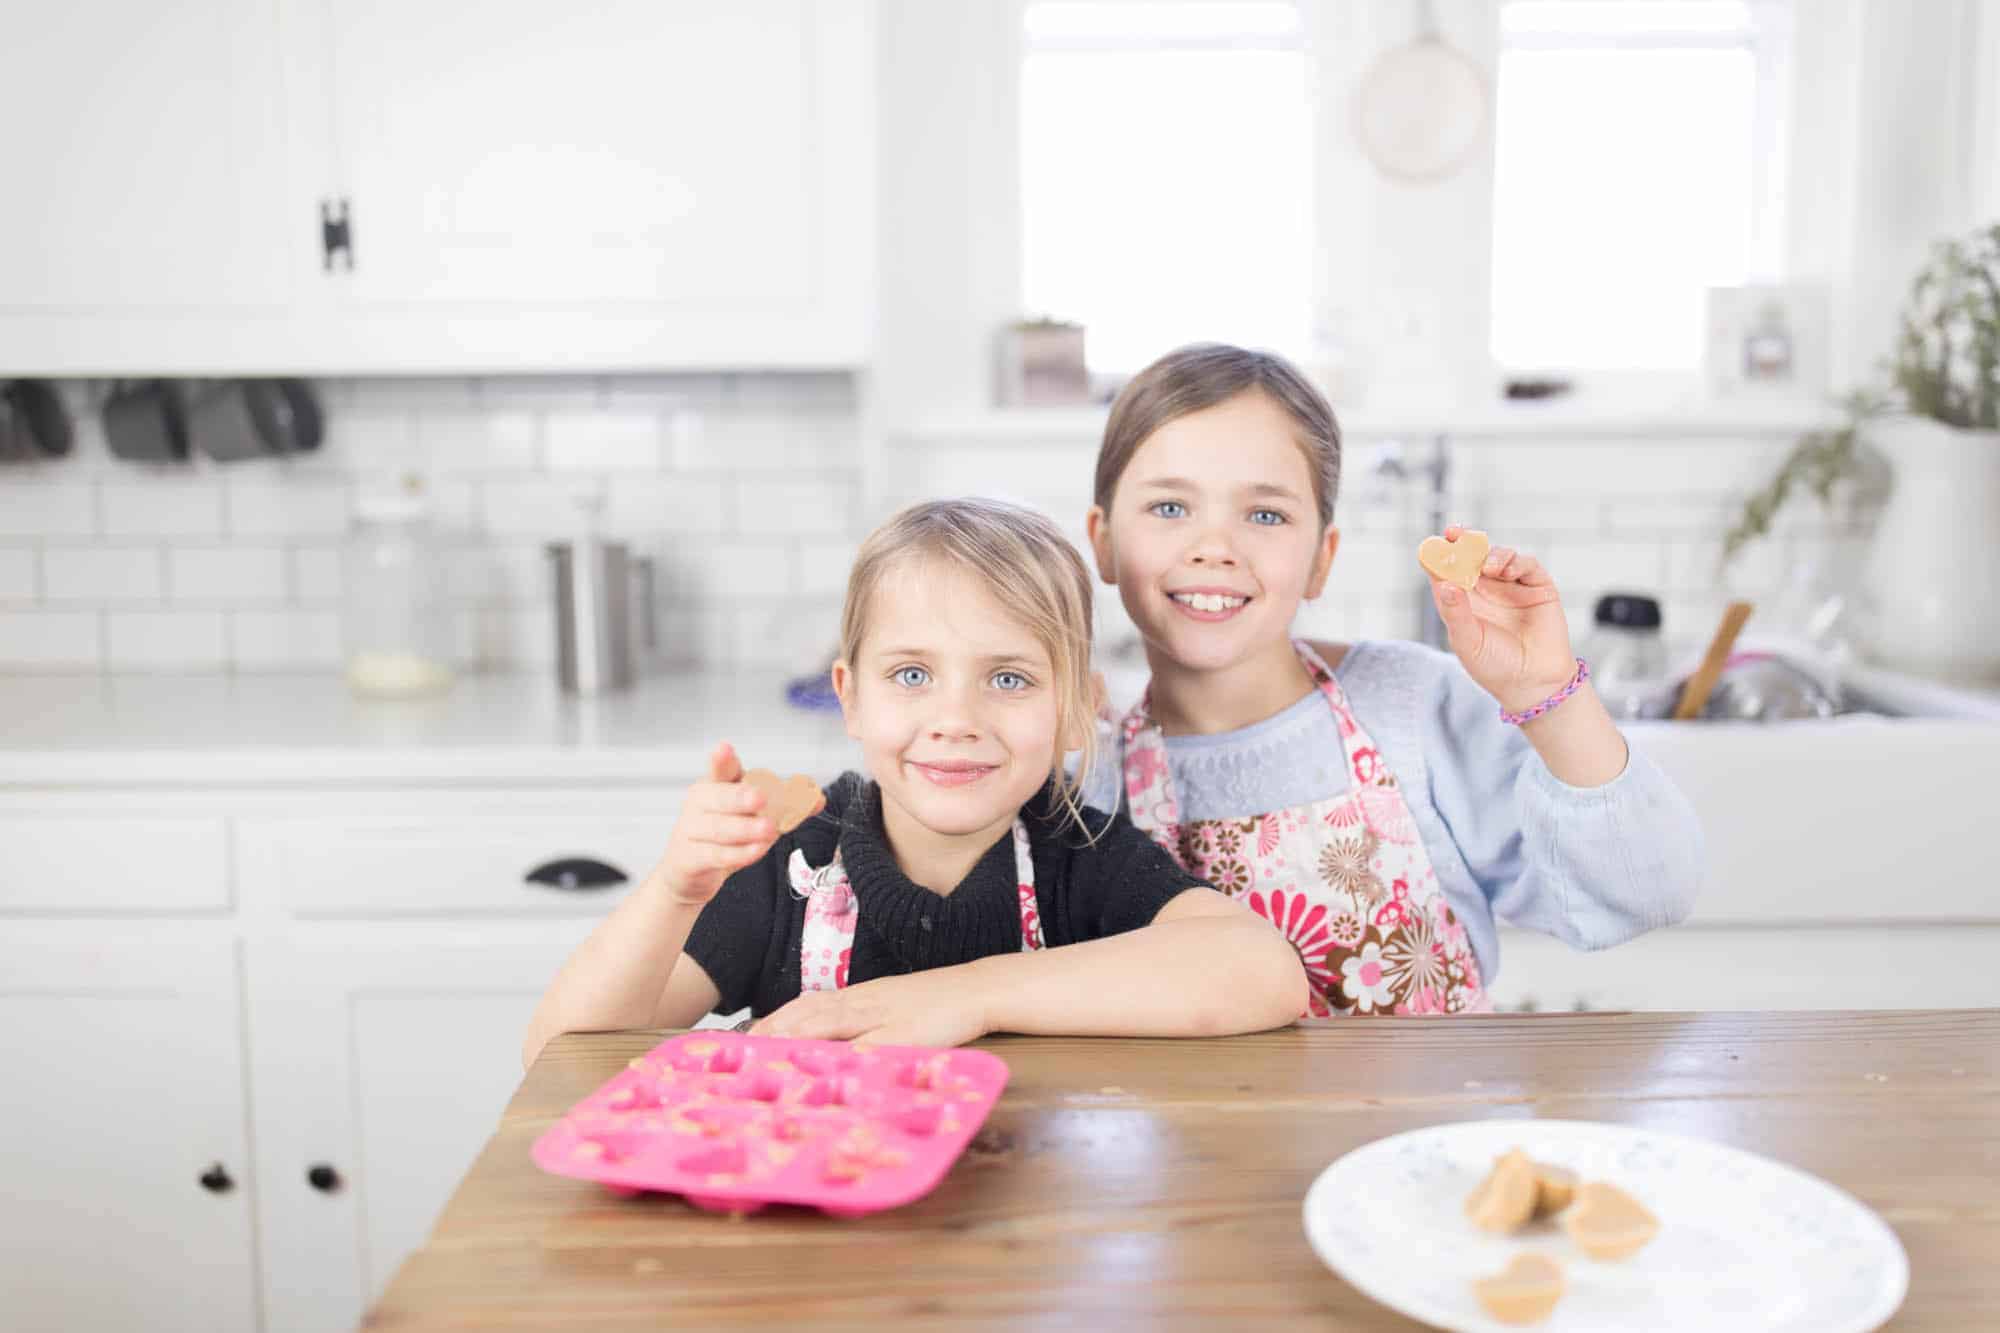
310,729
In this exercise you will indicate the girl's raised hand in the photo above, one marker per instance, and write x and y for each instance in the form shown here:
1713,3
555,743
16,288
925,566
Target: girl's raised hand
722,828
1509,632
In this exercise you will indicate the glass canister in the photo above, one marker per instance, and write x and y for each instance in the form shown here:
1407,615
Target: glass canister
395,622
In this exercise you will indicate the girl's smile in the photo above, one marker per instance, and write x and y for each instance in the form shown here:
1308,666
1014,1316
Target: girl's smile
1209,603
952,772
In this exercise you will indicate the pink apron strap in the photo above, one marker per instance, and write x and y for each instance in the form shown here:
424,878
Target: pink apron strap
833,911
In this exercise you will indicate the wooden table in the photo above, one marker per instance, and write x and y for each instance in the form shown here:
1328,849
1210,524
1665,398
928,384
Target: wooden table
1159,1183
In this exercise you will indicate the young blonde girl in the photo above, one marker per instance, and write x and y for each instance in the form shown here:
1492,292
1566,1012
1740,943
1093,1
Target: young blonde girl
1381,803
958,888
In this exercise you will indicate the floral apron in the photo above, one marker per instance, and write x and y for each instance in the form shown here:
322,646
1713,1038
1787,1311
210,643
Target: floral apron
833,911
1346,879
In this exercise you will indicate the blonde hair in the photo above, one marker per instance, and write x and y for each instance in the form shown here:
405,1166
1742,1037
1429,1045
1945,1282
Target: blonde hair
1032,570
1201,375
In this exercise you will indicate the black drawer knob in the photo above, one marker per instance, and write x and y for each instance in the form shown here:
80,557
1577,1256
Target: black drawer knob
216,1180
577,874
323,1178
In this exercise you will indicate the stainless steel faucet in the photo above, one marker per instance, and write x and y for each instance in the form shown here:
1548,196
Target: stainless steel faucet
1392,461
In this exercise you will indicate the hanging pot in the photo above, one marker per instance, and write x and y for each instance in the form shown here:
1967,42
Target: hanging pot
143,422
14,444
41,423
1423,108
232,420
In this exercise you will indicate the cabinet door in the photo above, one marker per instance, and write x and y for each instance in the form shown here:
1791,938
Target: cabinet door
692,180
128,1198
143,142
384,1054
1830,966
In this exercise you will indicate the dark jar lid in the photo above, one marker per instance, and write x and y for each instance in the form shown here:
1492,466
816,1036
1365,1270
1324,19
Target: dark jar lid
1627,610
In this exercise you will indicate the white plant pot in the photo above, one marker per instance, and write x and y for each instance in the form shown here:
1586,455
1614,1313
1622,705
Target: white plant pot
1932,577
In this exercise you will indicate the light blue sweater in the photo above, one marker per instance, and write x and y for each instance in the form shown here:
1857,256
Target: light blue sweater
1510,841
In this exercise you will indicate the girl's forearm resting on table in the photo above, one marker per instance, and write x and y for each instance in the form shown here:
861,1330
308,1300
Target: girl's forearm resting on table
1578,740
617,978
1196,976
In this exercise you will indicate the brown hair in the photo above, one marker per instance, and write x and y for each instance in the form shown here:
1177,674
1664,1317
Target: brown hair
1201,375
1033,571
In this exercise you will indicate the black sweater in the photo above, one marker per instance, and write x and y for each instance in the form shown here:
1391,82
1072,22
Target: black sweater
748,937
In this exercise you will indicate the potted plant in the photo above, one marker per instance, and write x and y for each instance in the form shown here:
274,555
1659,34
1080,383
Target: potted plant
1934,589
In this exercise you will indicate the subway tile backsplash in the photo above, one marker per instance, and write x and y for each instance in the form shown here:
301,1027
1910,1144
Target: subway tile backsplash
750,492
743,488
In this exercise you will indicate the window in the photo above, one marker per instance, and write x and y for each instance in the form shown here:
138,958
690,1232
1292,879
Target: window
1638,162
1166,175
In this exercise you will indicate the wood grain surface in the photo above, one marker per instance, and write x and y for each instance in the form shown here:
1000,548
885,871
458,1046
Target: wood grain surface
1159,1183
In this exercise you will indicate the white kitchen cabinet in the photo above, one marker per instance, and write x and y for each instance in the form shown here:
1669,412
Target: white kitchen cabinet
129,1197
524,187
1846,966
144,149
385,1053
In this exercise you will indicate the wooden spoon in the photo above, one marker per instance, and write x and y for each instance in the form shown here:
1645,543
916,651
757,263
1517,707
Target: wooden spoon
1702,683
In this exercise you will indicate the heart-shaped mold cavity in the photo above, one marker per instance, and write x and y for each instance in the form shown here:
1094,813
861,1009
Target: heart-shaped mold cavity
828,1092
728,1060
826,1060
757,1086
635,1097
791,1128
723,1159
610,1149
929,1072
711,1121
854,1157
919,1120
812,1062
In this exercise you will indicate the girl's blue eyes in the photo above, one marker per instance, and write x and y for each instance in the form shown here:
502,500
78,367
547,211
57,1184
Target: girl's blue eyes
1263,518
916,677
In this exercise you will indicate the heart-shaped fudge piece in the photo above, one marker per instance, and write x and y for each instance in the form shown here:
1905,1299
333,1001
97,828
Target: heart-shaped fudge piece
1455,562
1607,1223
788,801
1506,1198
1555,1189
1524,1292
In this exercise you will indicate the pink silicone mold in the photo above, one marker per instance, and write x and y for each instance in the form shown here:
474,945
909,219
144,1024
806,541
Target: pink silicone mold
734,1122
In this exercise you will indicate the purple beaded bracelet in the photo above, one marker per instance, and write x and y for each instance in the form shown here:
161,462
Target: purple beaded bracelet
1529,715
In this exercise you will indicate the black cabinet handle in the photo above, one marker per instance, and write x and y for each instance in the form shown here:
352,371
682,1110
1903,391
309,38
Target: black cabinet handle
577,874
216,1180
324,1178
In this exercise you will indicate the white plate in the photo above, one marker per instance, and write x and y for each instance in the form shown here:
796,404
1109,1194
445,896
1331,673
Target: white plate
1744,1243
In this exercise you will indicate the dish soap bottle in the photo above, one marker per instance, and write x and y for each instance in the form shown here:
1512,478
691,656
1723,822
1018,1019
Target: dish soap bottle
394,622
